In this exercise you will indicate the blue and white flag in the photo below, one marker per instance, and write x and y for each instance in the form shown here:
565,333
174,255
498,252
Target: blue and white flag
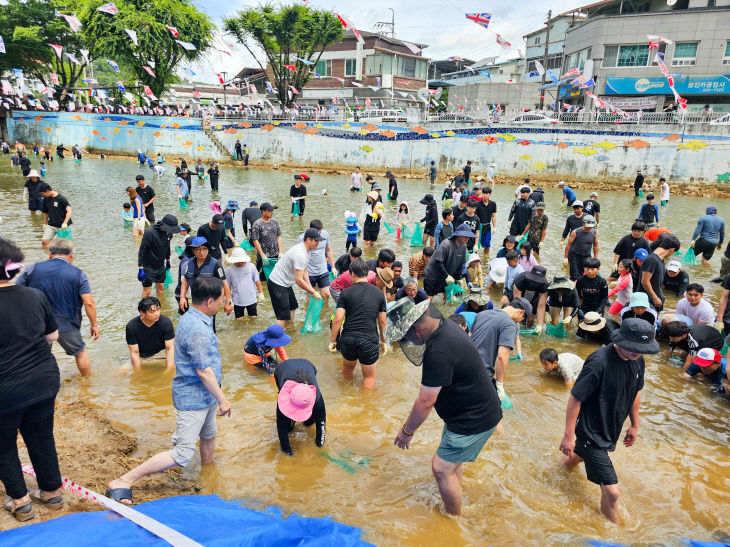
2,45
120,86
308,63
532,74
552,76
588,83
186,70
317,75
269,87
112,64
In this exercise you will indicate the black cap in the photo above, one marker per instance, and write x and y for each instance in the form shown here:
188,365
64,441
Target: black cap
266,206
44,187
139,177
313,233
217,219
523,304
169,224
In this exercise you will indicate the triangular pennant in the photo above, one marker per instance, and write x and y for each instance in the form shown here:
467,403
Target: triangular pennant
58,49
132,35
173,31
73,58
2,45
148,70
109,8
72,21
186,45
112,64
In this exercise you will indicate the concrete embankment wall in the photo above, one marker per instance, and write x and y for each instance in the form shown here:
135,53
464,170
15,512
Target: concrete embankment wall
682,153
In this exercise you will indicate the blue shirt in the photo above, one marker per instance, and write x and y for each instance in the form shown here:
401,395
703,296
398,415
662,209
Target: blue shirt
715,378
569,194
196,347
183,185
710,228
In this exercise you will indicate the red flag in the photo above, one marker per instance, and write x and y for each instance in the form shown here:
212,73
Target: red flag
174,31
291,67
149,71
220,79
148,91
572,72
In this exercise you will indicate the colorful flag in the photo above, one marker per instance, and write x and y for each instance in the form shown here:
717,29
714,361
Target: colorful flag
173,31
368,104
357,84
2,45
588,83
109,8
196,94
580,80
148,70
308,63
73,58
347,24
540,69
7,88
120,86
341,80
572,72
132,35
377,80
455,58
54,78
269,87
502,42
186,70
294,89
148,91
220,79
656,38
413,47
57,49
186,45
253,89
481,19
72,21
112,64
224,51
291,67
317,75
553,77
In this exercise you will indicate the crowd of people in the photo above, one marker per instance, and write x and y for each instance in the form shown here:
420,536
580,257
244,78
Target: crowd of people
375,306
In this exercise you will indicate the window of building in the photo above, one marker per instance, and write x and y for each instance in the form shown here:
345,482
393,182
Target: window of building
379,64
628,55
323,68
537,40
350,67
726,57
685,54
408,67
577,59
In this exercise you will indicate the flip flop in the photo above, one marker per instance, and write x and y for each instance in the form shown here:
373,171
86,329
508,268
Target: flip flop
119,494
22,513
55,502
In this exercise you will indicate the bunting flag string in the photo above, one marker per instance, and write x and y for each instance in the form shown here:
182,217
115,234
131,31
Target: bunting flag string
173,31
58,49
72,21
186,70
133,35
269,87
148,70
290,67
120,86
571,72
481,19
540,69
502,42
109,8
73,58
54,78
308,63
2,45
347,24
112,64
186,45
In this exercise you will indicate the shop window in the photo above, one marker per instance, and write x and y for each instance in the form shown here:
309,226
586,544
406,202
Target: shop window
685,54
726,56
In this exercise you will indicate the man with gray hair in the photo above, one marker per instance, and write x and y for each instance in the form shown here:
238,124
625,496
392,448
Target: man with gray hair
411,290
67,288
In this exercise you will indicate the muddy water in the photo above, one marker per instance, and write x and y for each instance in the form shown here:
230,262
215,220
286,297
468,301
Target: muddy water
674,480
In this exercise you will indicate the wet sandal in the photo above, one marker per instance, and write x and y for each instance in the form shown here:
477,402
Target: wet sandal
22,513
119,494
56,502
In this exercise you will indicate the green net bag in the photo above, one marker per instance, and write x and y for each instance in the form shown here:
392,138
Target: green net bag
417,238
522,240
557,331
528,332
332,276
404,231
183,203
268,265
388,227
246,245
312,323
689,257
296,210
453,291
168,278
506,403
65,233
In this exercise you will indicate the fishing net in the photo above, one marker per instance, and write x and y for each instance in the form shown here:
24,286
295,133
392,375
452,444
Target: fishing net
246,245
641,193
65,233
417,238
405,231
557,331
332,276
689,257
528,332
453,291
522,240
168,278
388,227
295,209
312,323
183,203
267,266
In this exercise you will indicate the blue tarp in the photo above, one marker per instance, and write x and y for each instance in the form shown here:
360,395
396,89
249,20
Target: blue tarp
208,520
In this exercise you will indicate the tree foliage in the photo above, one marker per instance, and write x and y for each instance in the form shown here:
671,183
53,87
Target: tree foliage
286,35
106,36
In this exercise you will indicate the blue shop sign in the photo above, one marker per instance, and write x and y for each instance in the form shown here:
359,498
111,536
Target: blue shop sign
687,85
569,91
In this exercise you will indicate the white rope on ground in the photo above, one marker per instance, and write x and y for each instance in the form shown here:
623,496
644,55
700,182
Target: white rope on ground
171,536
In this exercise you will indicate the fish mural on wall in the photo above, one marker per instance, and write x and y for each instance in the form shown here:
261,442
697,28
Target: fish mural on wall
671,138
489,139
267,127
524,157
524,142
637,143
367,148
586,151
507,137
420,130
605,145
539,165
562,145
692,145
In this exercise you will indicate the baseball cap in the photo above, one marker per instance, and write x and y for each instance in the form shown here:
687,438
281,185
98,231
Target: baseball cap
217,219
577,203
594,194
198,241
706,357
674,266
641,254
561,183
313,233
266,206
523,304
540,205
711,210
589,220
253,202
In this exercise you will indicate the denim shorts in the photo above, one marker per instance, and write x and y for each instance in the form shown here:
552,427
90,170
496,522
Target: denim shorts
35,203
71,341
456,448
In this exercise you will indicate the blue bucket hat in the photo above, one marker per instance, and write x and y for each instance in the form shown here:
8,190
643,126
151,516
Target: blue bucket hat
275,336
463,231
641,254
232,205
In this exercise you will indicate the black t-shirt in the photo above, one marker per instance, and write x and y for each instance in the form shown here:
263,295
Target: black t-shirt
471,221
55,208
627,246
654,265
679,283
591,207
342,264
214,238
571,223
592,292
563,298
468,401
289,370
362,303
372,265
214,174
484,212
531,289
28,369
606,387
700,336
297,192
150,340
147,193
458,212
24,163
33,188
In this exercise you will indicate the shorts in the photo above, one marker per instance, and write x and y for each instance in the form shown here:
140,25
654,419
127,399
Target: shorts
370,231
191,425
153,275
35,204
429,230
149,215
138,223
49,232
599,468
25,172
365,350
320,281
433,287
704,248
485,239
71,341
616,307
456,448
240,311
570,202
282,300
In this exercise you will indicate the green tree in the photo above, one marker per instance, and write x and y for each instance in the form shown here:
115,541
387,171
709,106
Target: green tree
106,37
286,35
28,27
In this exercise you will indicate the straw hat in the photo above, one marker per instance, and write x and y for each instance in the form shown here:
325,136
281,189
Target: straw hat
561,282
592,322
33,173
478,297
238,255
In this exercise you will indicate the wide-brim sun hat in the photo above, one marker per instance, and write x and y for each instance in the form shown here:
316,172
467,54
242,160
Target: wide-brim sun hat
275,336
498,270
427,200
402,316
561,282
592,322
589,220
537,273
477,297
296,401
463,231
636,336
33,173
474,257
238,255
373,195
386,275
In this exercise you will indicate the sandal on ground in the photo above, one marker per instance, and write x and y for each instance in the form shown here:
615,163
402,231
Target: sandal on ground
22,513
56,502
119,494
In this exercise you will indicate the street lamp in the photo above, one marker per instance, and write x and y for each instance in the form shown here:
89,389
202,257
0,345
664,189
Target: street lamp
225,107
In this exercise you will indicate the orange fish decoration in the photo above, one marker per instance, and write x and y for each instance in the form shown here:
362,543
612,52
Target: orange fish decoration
638,144
105,119
370,128
188,143
156,134
129,131
245,125
311,131
122,123
562,145
176,125
420,130
672,138
489,139
524,143
388,134
95,132
47,129
267,127
300,125
116,130
37,119
103,138
76,117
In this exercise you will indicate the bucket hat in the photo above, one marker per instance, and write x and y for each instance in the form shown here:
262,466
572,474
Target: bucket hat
636,336
463,231
33,173
373,195
275,337
478,297
474,257
401,317
170,225
238,255
232,205
561,282
428,200
498,270
639,300
537,273
540,205
296,400
592,322
386,275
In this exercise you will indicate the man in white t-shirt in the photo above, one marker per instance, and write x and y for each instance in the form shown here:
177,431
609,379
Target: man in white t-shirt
291,269
694,306
321,261
356,180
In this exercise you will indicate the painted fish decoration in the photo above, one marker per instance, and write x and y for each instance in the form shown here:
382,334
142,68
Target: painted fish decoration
692,145
605,145
586,151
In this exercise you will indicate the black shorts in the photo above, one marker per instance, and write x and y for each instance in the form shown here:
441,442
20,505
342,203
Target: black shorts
433,287
240,311
227,244
320,281
282,300
429,230
599,468
370,231
35,203
153,275
704,248
365,350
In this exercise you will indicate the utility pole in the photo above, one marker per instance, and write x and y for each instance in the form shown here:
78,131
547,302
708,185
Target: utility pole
225,107
381,24
545,55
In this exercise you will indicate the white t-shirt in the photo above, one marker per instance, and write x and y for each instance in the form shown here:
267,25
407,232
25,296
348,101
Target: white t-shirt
701,313
569,366
665,192
318,256
242,280
296,258
356,180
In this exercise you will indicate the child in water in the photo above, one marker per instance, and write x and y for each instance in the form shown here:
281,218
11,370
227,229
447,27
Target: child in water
527,261
257,350
351,230
402,218
622,288
567,365
127,215
43,169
